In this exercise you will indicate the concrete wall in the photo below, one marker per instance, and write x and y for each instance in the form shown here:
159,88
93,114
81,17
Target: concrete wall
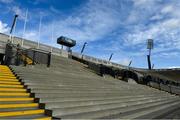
29,44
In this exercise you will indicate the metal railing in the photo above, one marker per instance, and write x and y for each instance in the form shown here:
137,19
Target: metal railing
38,56
98,61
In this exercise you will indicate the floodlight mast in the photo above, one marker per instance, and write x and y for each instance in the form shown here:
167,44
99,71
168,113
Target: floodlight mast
110,57
82,50
13,26
130,63
39,34
152,66
24,29
149,47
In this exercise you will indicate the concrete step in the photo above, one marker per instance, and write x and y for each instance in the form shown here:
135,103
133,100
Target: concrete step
35,117
16,102
95,102
78,94
5,115
111,113
47,86
78,85
10,83
10,80
175,114
69,83
71,86
11,86
14,94
154,112
87,98
20,105
68,88
62,74
77,91
12,90
76,110
60,83
17,109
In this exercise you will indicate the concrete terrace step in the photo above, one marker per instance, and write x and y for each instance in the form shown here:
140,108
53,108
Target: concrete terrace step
154,111
20,113
95,102
18,109
88,98
69,90
43,95
77,110
35,116
14,98
111,113
84,91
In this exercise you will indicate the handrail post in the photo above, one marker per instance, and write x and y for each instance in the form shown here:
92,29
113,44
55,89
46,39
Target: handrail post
34,57
25,61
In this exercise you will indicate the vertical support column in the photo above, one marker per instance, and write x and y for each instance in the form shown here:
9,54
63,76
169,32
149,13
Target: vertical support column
149,62
49,59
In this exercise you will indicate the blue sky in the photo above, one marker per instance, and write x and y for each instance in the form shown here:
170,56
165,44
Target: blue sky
121,27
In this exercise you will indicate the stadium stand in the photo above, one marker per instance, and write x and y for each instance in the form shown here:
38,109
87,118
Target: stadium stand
69,90
54,87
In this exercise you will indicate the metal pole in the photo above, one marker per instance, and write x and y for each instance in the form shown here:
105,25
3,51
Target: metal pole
149,62
14,31
24,30
52,37
149,47
39,30
110,57
14,21
49,59
12,27
130,63
152,66
82,50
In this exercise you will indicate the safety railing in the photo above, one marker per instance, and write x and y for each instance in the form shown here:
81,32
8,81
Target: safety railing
98,61
38,56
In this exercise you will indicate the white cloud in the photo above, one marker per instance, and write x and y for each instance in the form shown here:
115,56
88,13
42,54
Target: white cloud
32,35
124,61
165,30
93,21
20,12
172,67
167,9
4,27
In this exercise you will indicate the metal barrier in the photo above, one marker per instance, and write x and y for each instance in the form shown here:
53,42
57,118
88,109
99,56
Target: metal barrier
38,56
15,55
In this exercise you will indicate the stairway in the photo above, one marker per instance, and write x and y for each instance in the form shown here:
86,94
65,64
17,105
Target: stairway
15,101
68,90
